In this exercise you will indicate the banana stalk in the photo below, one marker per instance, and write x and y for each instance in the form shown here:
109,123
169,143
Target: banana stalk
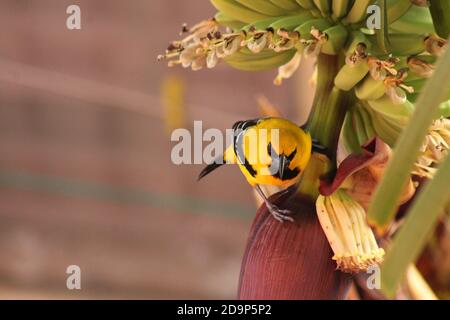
349,135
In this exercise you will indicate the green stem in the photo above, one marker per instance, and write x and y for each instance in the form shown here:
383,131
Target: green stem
324,123
329,106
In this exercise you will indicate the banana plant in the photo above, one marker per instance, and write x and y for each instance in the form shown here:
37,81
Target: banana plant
381,101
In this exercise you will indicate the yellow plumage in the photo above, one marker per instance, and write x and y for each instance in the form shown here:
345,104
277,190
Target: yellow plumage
255,148
269,151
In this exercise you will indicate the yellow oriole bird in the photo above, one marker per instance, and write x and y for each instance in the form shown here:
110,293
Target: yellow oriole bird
269,151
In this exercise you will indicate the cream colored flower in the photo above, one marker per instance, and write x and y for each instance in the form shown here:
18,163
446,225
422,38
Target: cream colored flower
286,71
285,40
199,31
313,47
434,149
344,222
259,41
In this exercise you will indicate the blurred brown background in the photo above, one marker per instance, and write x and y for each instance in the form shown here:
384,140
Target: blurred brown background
85,170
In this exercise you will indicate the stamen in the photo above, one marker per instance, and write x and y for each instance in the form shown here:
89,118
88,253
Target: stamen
380,69
395,88
359,54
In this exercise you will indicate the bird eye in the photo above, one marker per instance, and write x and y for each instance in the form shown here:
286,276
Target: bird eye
292,155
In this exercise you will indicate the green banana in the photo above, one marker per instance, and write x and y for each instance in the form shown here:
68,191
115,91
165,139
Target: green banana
387,131
265,60
416,84
370,89
356,38
291,22
264,7
401,44
236,11
396,9
306,4
305,29
350,75
396,112
357,12
288,5
341,8
415,20
225,21
324,6
444,109
440,10
336,38
261,24
315,13
413,96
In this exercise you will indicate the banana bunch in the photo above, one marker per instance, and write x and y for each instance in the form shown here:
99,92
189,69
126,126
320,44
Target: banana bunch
265,34
310,26
265,60
249,11
281,35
